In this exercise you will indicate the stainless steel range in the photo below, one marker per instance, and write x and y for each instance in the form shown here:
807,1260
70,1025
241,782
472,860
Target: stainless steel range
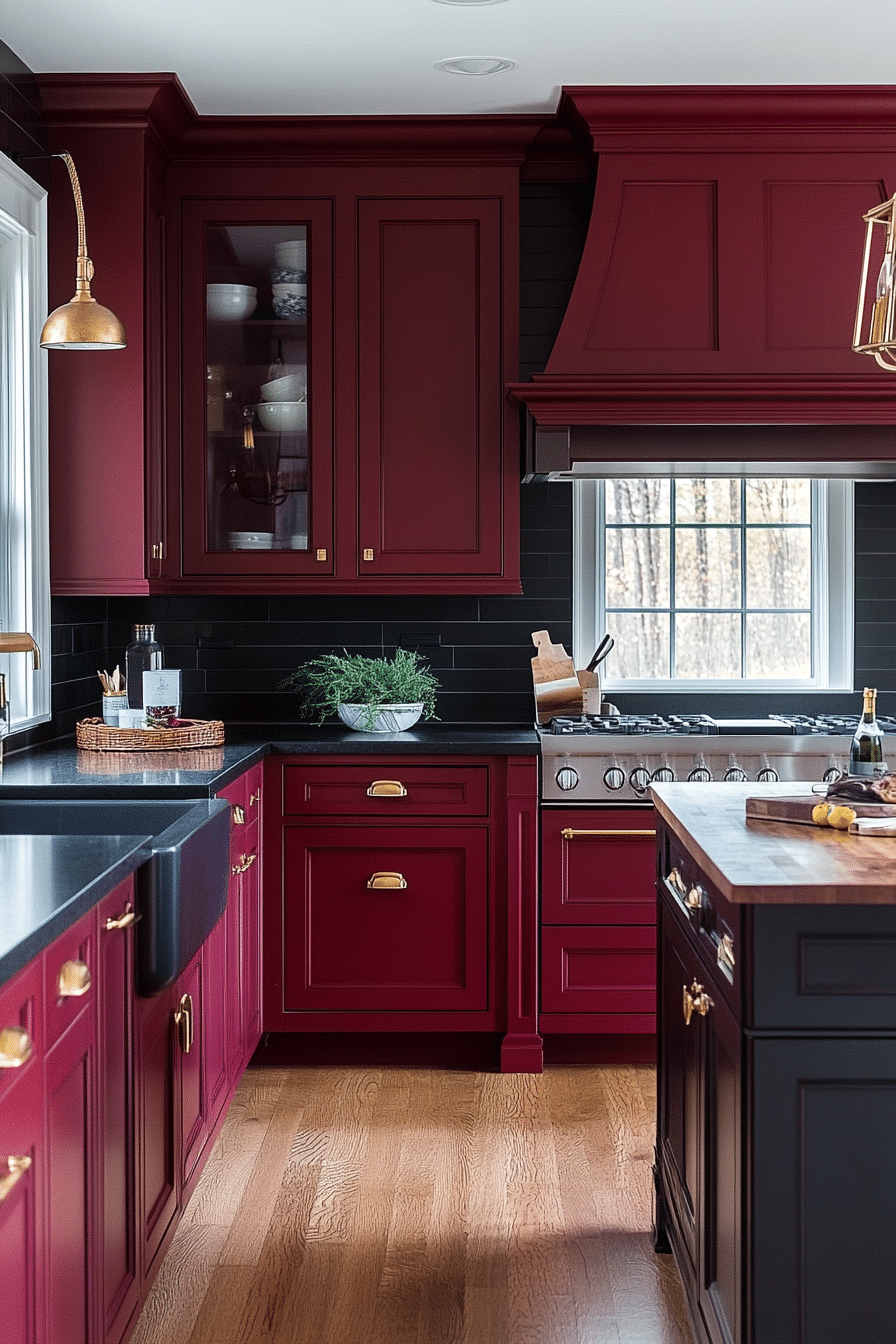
615,759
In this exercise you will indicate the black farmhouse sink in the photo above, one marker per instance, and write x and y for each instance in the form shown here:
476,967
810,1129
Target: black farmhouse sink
181,890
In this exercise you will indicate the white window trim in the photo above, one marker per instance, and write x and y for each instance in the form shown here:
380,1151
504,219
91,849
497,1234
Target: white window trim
24,476
833,564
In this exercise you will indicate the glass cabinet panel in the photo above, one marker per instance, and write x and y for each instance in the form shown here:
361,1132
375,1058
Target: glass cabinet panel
250,417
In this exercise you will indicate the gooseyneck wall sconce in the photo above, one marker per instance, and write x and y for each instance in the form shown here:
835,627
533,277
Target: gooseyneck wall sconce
82,323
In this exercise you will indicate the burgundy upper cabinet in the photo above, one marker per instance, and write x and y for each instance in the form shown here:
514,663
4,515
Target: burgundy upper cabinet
398,470
720,272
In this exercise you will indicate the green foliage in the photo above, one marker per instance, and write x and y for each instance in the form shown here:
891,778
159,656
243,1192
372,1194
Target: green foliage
351,679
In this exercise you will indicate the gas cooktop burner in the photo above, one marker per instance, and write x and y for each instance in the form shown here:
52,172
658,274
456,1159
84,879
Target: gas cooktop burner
633,725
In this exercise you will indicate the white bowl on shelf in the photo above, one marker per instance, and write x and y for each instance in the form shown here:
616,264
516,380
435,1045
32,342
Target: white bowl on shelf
291,254
289,388
230,303
284,417
250,541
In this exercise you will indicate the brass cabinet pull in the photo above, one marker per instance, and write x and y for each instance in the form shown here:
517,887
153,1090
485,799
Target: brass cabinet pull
675,880
123,921
694,898
245,863
239,816
725,951
321,553
73,980
696,1000
255,798
15,1170
571,835
15,1047
183,1018
367,553
387,788
390,881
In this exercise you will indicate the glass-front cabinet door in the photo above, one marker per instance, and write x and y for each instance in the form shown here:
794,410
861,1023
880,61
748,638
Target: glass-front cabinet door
257,488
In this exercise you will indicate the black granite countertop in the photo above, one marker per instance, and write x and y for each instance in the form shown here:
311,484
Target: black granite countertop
47,882
58,770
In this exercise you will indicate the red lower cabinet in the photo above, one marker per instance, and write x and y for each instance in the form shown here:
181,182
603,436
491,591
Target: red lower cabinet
385,920
598,921
22,1153
158,1119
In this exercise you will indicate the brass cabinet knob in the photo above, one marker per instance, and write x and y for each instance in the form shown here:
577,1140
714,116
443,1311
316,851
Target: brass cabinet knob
15,1047
676,882
15,1170
386,881
183,1018
255,798
695,898
123,921
73,979
387,788
696,1000
245,863
239,816
725,951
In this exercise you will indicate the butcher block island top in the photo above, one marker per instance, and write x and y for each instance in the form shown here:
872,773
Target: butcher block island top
755,862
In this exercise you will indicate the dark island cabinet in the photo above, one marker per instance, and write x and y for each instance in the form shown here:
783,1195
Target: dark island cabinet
776,1112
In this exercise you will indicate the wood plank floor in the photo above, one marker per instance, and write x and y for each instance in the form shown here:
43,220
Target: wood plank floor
414,1206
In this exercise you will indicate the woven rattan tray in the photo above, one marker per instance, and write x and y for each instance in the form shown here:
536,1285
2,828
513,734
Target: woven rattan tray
95,735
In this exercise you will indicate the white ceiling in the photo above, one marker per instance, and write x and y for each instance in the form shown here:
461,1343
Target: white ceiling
318,57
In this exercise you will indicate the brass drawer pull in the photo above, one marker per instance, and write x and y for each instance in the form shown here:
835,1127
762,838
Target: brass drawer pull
239,816
245,863
15,1047
696,1000
386,881
387,788
695,898
123,921
725,952
675,880
15,1170
255,798
183,1018
571,835
73,980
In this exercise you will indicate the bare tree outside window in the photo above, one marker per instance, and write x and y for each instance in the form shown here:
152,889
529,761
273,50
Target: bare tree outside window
709,579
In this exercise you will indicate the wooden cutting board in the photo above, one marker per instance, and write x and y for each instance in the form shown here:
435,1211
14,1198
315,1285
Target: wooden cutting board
557,689
800,809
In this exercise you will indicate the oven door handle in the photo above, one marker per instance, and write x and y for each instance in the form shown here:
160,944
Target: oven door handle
568,834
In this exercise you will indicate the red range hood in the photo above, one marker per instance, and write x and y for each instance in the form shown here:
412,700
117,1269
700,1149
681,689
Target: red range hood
717,289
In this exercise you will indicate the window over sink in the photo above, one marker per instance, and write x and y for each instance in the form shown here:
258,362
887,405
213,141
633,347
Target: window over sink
719,584
24,526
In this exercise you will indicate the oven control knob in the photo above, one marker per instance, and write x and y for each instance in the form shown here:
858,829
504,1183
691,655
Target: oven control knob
664,774
767,775
567,778
614,778
640,779
735,774
699,775
831,774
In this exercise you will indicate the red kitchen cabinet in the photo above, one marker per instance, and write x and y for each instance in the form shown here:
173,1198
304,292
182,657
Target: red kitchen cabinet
598,921
22,1251
158,1120
243,951
118,1259
71,1151
201,1021
385,919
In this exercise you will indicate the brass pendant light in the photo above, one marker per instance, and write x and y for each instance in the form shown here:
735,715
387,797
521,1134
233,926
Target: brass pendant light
82,323
881,342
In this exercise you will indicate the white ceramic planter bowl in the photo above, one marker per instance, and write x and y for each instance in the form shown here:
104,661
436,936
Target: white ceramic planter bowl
230,303
289,388
390,719
284,417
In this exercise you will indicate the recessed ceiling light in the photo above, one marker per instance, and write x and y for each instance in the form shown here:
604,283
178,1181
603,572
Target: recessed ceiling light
475,65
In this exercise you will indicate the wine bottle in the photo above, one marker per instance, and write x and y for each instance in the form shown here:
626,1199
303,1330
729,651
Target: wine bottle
866,754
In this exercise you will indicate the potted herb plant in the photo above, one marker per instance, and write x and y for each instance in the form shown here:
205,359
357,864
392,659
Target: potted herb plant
371,695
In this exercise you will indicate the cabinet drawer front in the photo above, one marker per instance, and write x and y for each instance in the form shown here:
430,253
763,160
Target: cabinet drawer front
22,1010
369,790
355,939
598,970
598,867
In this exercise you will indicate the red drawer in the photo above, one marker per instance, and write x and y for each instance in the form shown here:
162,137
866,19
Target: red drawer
387,792
22,1010
385,920
598,867
598,970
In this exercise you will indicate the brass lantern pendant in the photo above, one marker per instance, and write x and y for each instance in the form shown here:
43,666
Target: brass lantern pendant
881,342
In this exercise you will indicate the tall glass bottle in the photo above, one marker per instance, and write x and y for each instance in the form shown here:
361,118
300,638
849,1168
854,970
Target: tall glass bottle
143,654
866,755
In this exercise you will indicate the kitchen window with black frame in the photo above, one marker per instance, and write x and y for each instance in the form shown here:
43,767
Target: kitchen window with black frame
24,510
715,584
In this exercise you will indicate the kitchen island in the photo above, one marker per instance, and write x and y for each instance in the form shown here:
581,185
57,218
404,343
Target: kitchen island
775,1171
